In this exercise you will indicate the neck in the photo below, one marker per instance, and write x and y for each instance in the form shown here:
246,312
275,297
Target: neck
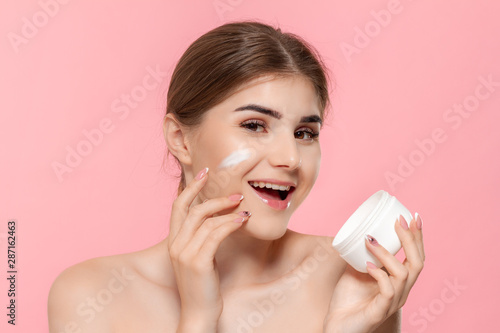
241,259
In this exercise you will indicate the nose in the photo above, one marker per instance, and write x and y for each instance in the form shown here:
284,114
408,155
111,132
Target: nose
284,152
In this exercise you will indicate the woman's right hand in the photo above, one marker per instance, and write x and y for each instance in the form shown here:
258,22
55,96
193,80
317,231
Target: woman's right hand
193,240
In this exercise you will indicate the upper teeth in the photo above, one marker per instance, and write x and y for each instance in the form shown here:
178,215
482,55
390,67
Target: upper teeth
269,185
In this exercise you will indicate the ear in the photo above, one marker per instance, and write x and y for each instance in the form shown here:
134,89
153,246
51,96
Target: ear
176,138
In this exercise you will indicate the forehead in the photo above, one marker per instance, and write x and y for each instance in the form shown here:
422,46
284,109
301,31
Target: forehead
289,94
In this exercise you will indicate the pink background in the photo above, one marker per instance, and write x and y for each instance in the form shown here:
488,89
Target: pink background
395,90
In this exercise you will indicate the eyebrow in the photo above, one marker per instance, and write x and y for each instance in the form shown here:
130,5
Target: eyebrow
275,114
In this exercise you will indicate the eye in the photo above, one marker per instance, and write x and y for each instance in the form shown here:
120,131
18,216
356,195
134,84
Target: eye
258,126
253,125
306,131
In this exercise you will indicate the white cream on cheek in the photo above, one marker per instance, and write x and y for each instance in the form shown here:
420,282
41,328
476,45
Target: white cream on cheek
235,158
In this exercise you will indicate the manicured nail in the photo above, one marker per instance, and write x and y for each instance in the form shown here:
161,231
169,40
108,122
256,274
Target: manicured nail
370,265
419,221
403,222
202,174
236,197
244,213
372,240
240,219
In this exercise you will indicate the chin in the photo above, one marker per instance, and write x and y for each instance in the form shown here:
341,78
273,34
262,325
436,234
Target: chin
263,232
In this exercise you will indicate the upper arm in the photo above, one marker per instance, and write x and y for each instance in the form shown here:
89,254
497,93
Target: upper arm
71,304
391,325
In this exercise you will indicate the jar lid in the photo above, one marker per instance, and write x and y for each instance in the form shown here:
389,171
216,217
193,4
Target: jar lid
360,221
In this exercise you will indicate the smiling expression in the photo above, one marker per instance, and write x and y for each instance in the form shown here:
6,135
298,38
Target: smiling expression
273,124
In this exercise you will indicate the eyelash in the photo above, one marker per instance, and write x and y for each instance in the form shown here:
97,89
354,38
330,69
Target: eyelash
246,124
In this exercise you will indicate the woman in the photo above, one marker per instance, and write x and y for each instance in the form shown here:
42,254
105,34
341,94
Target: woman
245,106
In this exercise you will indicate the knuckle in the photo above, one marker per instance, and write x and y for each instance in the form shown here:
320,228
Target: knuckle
214,236
196,210
184,259
174,259
198,265
210,223
419,266
390,295
174,253
403,273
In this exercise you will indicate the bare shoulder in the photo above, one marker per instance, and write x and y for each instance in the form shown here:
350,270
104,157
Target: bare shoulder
92,296
311,242
81,292
316,247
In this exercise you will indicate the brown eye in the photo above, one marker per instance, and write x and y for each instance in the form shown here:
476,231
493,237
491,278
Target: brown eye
310,135
254,125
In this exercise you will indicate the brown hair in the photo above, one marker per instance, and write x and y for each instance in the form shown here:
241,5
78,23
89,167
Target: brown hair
220,61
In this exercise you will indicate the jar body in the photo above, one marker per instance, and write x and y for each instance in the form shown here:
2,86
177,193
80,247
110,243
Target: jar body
376,217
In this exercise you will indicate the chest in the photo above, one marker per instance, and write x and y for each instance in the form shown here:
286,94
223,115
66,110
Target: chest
291,305
297,302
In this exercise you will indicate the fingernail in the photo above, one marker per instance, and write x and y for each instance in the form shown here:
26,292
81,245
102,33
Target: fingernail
370,265
240,220
236,197
372,240
403,222
201,174
244,213
419,221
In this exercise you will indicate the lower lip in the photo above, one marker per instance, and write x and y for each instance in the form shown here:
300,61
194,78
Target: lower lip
273,203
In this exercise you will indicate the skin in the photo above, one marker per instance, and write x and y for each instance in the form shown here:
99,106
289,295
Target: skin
212,274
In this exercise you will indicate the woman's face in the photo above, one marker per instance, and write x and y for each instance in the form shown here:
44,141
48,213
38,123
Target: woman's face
278,146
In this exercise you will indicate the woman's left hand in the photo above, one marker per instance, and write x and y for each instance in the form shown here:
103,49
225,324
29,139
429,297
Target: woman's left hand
361,302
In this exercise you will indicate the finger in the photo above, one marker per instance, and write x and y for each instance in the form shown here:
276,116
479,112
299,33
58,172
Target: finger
416,263
409,243
199,213
383,302
213,241
180,206
211,224
417,231
398,273
390,262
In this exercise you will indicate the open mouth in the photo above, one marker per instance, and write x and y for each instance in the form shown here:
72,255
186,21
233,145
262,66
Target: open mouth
273,192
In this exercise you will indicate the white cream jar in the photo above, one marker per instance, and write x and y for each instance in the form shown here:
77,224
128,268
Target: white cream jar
376,217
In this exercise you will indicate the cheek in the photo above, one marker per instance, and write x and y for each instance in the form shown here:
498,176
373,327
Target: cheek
235,158
311,161
210,148
226,168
